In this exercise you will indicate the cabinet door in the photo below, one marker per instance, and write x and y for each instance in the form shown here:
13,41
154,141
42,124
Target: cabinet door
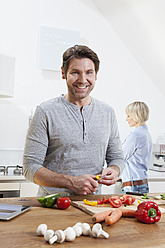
156,187
9,186
7,71
28,189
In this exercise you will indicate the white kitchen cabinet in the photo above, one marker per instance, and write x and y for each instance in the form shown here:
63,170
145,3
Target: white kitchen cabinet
156,186
156,181
7,71
28,189
9,186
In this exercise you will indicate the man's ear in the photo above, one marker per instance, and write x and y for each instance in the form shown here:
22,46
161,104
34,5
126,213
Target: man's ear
96,77
63,75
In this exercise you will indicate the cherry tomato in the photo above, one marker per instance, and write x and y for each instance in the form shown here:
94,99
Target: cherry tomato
115,202
63,202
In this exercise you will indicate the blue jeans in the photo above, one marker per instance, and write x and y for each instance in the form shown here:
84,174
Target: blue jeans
143,188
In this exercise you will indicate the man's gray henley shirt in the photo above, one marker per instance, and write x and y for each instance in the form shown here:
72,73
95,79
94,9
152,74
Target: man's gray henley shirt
67,141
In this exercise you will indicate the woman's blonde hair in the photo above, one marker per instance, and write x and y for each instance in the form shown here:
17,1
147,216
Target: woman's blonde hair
139,111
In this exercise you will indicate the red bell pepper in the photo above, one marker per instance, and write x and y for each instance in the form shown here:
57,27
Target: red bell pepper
148,212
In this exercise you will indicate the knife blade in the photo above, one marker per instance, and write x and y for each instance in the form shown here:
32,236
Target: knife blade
102,177
134,193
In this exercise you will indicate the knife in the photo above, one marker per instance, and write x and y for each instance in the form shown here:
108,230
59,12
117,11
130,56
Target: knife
134,193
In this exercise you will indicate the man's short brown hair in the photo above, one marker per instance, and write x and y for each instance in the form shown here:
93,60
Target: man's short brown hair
79,52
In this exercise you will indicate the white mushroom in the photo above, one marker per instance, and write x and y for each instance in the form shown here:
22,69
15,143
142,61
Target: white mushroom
78,224
53,239
60,236
41,229
97,231
70,234
78,230
157,197
48,234
86,229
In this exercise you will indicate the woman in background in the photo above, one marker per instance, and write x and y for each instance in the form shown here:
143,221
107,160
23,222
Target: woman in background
137,149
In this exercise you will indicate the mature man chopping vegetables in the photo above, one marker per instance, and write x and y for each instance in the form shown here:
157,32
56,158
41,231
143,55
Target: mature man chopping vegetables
71,136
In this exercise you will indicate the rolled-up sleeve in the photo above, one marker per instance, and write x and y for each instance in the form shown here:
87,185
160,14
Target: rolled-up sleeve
36,145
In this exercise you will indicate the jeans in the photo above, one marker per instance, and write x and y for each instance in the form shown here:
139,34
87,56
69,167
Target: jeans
143,188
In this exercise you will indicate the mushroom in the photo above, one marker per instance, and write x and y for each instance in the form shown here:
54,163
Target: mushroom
70,234
41,229
58,237
78,229
53,239
48,234
157,197
97,231
86,229
78,224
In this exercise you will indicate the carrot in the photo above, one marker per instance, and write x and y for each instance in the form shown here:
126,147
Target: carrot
128,212
99,217
115,216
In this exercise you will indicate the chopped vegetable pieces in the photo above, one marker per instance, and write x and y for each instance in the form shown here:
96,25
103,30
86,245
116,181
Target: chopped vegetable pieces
90,203
145,196
97,177
116,203
162,196
99,201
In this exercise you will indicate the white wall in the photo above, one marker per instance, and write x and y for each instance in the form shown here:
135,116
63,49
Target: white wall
121,80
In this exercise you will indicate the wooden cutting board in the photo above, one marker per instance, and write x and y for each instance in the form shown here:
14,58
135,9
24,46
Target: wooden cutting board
99,208
159,202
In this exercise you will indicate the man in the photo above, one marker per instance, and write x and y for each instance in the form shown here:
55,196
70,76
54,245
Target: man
71,136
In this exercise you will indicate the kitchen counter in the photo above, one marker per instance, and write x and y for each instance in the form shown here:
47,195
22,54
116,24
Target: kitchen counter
152,175
127,232
10,178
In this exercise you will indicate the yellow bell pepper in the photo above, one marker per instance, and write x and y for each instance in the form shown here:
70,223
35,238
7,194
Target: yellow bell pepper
90,203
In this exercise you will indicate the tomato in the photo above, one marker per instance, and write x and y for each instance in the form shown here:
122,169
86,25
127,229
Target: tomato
122,198
113,197
63,202
115,202
105,200
127,199
99,201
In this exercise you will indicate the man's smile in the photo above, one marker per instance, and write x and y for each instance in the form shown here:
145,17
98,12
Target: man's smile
81,87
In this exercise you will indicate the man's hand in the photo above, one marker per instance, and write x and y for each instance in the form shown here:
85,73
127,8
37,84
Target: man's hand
111,177
83,185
